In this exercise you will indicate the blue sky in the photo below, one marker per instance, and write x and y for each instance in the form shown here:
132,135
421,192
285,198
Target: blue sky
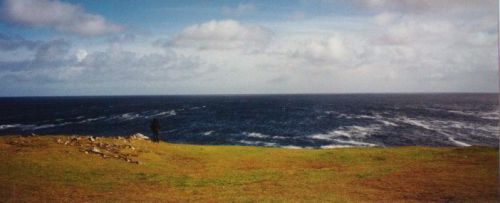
112,47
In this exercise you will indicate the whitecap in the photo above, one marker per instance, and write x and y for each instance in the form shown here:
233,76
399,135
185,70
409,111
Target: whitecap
256,135
277,137
366,116
258,143
292,147
459,143
169,113
462,113
344,116
348,131
491,115
414,122
91,119
357,143
129,116
7,126
335,146
207,133
388,123
50,125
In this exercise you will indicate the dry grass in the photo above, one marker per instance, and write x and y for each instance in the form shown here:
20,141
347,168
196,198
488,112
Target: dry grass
38,169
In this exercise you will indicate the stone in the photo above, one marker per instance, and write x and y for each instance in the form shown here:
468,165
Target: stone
96,150
92,139
139,136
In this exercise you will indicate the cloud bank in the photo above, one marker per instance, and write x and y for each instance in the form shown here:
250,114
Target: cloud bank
395,46
223,34
60,16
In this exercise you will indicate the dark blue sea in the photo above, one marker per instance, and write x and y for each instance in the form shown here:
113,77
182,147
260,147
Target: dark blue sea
292,121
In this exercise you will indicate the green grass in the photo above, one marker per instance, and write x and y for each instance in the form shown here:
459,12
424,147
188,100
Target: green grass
40,169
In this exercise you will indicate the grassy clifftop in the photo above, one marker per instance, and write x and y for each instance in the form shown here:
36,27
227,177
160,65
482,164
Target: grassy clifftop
61,168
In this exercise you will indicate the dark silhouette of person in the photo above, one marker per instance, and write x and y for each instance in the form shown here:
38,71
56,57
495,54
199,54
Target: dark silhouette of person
155,128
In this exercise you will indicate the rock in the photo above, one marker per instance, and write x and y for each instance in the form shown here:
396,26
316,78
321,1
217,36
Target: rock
59,141
96,150
92,139
139,136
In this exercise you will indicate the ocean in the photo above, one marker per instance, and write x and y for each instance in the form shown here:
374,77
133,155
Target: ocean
290,121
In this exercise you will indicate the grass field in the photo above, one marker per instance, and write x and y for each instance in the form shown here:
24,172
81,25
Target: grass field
58,168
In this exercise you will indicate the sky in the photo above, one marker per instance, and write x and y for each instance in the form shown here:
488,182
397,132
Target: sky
159,47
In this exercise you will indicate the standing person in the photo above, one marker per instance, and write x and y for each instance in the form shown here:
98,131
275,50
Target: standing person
155,128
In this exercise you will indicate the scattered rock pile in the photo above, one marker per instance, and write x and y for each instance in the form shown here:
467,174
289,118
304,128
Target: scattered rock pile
93,145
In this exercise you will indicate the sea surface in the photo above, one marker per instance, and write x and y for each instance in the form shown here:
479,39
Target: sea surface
291,121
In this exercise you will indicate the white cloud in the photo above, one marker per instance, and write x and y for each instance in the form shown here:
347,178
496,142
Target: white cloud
224,34
334,51
385,18
410,30
81,54
239,10
61,16
419,6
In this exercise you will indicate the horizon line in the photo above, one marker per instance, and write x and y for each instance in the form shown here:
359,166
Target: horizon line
246,94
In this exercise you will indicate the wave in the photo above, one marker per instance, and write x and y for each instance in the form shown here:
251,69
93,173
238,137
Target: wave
459,143
50,125
294,147
207,133
7,126
258,143
491,115
488,115
124,117
376,116
167,113
348,136
263,136
88,120
256,135
348,132
355,143
414,122
334,146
